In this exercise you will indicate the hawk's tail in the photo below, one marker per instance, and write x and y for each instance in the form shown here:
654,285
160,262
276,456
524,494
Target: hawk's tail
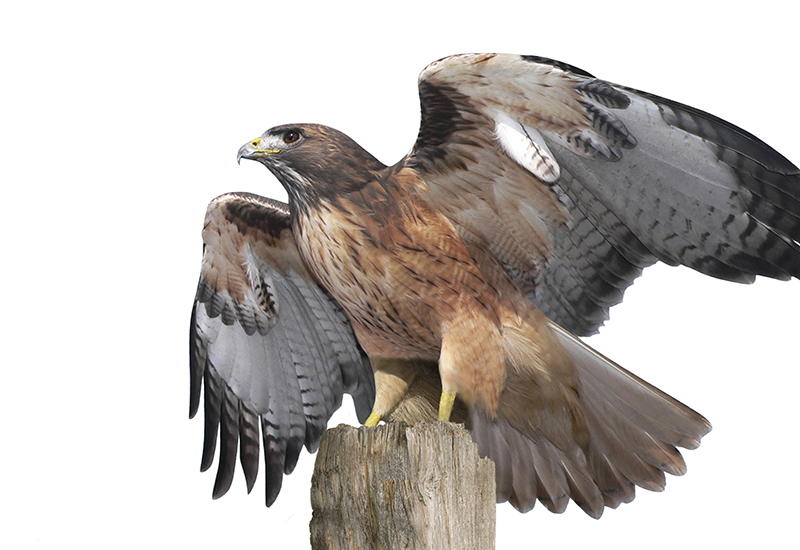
620,432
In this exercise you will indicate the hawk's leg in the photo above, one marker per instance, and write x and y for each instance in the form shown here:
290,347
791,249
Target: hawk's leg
373,419
392,380
446,402
471,363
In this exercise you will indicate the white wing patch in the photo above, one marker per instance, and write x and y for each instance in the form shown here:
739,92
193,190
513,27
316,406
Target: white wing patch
526,146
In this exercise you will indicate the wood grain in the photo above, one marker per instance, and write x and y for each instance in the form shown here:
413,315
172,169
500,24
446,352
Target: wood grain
397,486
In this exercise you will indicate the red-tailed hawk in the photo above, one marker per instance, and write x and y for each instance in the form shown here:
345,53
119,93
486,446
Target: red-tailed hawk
533,197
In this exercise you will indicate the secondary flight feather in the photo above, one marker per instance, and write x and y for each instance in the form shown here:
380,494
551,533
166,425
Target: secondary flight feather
453,284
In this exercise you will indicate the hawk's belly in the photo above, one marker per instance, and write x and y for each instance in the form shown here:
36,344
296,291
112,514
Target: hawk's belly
397,284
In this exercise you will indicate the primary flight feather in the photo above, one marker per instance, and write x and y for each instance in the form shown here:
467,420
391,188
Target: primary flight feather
452,284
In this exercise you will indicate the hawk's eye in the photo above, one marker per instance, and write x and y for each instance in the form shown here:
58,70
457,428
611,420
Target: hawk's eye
290,137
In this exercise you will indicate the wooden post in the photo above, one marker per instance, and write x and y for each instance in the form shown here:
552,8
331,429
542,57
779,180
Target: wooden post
398,486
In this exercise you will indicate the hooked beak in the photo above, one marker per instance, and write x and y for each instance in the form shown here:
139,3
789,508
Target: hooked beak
253,151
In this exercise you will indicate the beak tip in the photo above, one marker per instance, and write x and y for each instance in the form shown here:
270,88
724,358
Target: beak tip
242,153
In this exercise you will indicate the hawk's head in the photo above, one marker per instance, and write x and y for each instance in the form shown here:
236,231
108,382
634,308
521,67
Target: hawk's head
312,162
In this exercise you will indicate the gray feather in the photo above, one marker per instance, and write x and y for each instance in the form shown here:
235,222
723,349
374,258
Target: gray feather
248,444
229,439
687,194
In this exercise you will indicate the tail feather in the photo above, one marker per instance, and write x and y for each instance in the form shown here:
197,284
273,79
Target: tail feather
633,431
632,467
528,470
496,444
655,412
615,487
583,489
633,436
526,484
553,487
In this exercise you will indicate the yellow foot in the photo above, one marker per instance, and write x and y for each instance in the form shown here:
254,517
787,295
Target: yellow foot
446,405
373,419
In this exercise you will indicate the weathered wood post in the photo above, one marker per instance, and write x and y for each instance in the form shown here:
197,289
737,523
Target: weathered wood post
398,486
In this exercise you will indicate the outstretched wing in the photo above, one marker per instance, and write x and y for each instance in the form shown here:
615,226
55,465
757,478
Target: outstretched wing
271,347
576,184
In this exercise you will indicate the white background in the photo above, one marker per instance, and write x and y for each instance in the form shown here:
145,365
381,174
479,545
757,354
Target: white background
120,121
